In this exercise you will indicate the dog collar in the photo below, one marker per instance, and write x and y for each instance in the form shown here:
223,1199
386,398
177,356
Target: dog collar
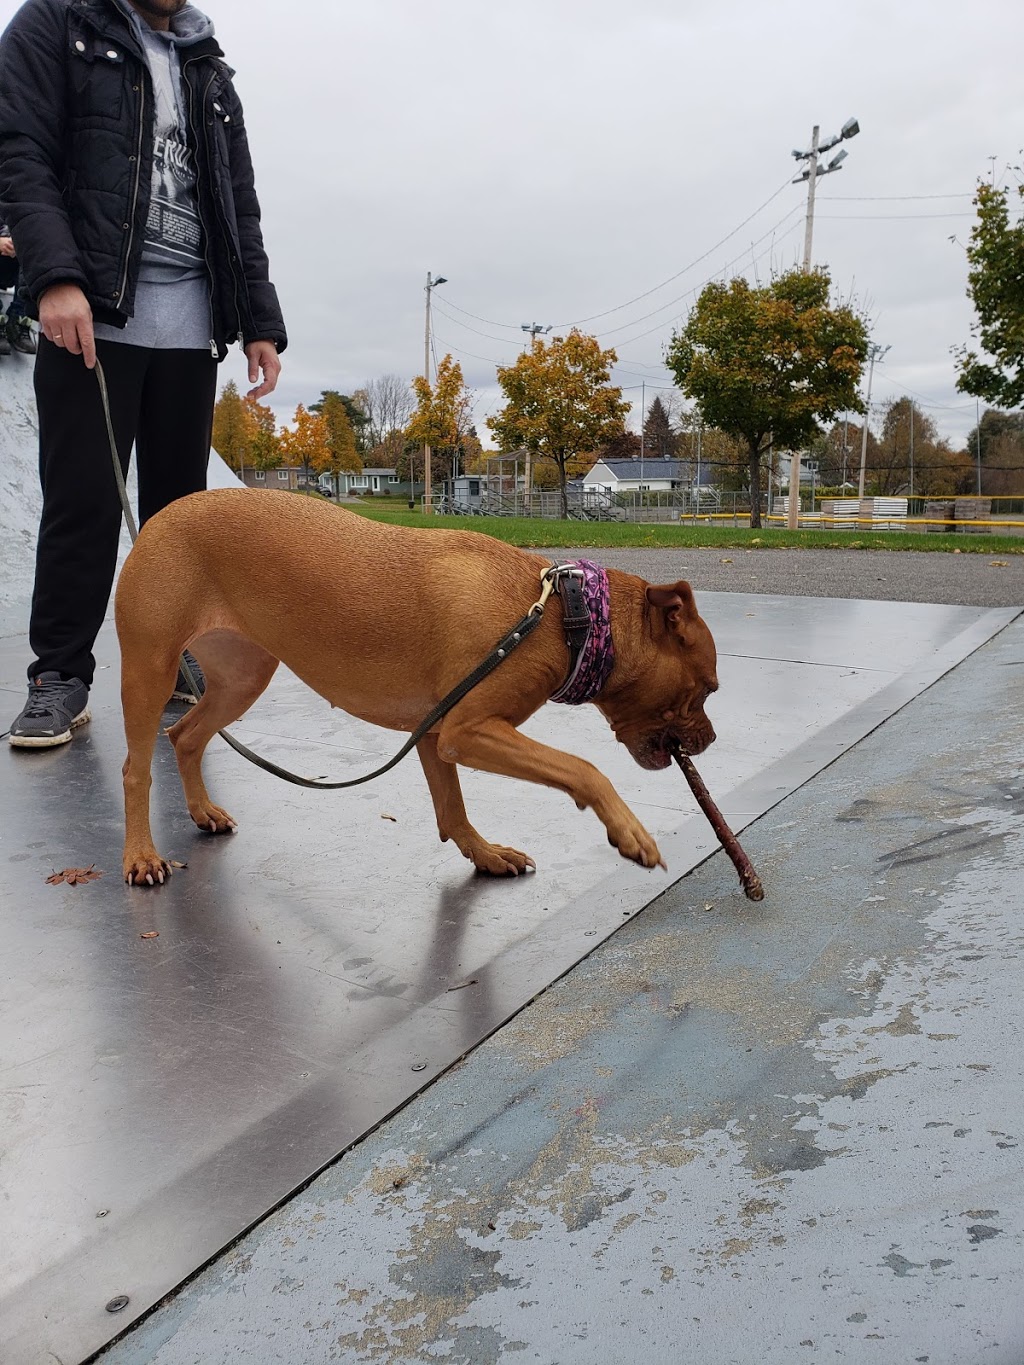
583,588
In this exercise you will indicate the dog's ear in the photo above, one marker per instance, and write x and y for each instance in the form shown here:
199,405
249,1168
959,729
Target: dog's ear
676,601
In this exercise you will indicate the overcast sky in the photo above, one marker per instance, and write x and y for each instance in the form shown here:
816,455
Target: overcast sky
557,158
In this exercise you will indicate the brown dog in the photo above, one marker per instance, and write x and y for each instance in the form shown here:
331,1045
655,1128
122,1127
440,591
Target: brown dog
383,622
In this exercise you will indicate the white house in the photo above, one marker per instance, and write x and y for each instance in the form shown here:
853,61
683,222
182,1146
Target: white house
634,476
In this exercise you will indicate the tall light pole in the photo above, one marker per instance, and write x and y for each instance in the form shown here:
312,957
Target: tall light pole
879,353
810,173
428,505
535,329
849,129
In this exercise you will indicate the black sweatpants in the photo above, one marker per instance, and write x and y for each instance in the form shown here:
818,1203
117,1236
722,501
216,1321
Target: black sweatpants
160,401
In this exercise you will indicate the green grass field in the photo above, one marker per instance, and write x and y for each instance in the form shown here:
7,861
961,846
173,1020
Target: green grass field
533,533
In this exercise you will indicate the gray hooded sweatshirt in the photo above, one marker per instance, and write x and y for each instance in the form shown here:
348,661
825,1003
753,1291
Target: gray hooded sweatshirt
172,303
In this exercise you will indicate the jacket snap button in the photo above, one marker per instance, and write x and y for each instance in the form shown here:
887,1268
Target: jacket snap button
79,46
111,54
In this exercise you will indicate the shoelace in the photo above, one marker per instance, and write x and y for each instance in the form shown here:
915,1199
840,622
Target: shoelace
43,697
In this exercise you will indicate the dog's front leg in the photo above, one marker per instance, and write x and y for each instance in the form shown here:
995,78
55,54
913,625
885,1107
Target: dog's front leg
495,746
453,823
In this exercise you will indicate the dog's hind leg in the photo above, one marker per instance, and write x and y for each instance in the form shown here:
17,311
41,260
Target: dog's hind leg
237,671
453,823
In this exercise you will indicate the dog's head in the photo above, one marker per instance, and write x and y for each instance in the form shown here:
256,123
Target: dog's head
662,707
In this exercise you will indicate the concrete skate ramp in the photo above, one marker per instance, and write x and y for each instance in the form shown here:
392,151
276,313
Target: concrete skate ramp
318,969
20,498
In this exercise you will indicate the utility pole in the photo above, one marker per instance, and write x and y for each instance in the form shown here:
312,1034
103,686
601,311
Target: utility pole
535,330
428,505
812,180
911,447
874,353
849,129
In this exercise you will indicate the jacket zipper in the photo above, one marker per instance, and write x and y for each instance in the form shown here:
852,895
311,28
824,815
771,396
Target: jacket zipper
199,196
119,296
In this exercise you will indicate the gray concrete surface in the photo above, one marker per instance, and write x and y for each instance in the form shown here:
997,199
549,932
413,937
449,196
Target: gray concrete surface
737,1134
315,970
975,580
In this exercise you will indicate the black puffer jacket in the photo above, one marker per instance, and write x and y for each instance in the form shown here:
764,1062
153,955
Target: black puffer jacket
76,149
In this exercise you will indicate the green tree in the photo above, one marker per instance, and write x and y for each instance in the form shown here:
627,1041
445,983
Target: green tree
999,439
660,441
232,428
560,403
359,421
770,363
995,285
621,445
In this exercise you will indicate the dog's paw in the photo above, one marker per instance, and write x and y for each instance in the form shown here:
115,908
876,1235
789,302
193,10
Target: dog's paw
146,869
634,843
498,861
212,820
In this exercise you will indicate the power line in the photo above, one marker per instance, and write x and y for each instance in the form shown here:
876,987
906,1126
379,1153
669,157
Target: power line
890,198
624,326
890,217
491,322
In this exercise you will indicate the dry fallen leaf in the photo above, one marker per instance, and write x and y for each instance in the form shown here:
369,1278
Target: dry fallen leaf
74,876
998,564
392,818
152,934
174,863
725,561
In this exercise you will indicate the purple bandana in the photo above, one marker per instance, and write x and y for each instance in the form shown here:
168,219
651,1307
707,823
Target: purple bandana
597,657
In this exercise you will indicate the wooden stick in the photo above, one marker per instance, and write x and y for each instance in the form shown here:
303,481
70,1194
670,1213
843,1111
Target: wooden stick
752,887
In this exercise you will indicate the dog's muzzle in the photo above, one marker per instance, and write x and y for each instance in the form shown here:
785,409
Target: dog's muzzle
654,751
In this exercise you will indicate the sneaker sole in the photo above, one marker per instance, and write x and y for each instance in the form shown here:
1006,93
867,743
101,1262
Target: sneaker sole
49,741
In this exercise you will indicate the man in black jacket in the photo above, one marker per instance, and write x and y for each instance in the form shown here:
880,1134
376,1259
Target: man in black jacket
128,185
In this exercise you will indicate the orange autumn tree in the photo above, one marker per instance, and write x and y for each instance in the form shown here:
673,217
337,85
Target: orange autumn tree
264,443
560,403
444,413
307,443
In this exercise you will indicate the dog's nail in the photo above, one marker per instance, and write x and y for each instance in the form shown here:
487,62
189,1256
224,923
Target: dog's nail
531,863
149,878
213,826
160,878
130,879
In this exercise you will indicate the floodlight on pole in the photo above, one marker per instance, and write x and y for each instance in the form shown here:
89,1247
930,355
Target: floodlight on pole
811,172
535,329
431,284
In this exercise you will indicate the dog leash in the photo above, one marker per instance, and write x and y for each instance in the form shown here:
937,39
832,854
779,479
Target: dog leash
551,579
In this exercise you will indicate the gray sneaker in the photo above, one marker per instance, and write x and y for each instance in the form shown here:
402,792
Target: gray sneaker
55,707
182,689
20,335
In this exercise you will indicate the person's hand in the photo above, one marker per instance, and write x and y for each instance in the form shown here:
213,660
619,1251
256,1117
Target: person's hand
66,320
262,356
6,246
